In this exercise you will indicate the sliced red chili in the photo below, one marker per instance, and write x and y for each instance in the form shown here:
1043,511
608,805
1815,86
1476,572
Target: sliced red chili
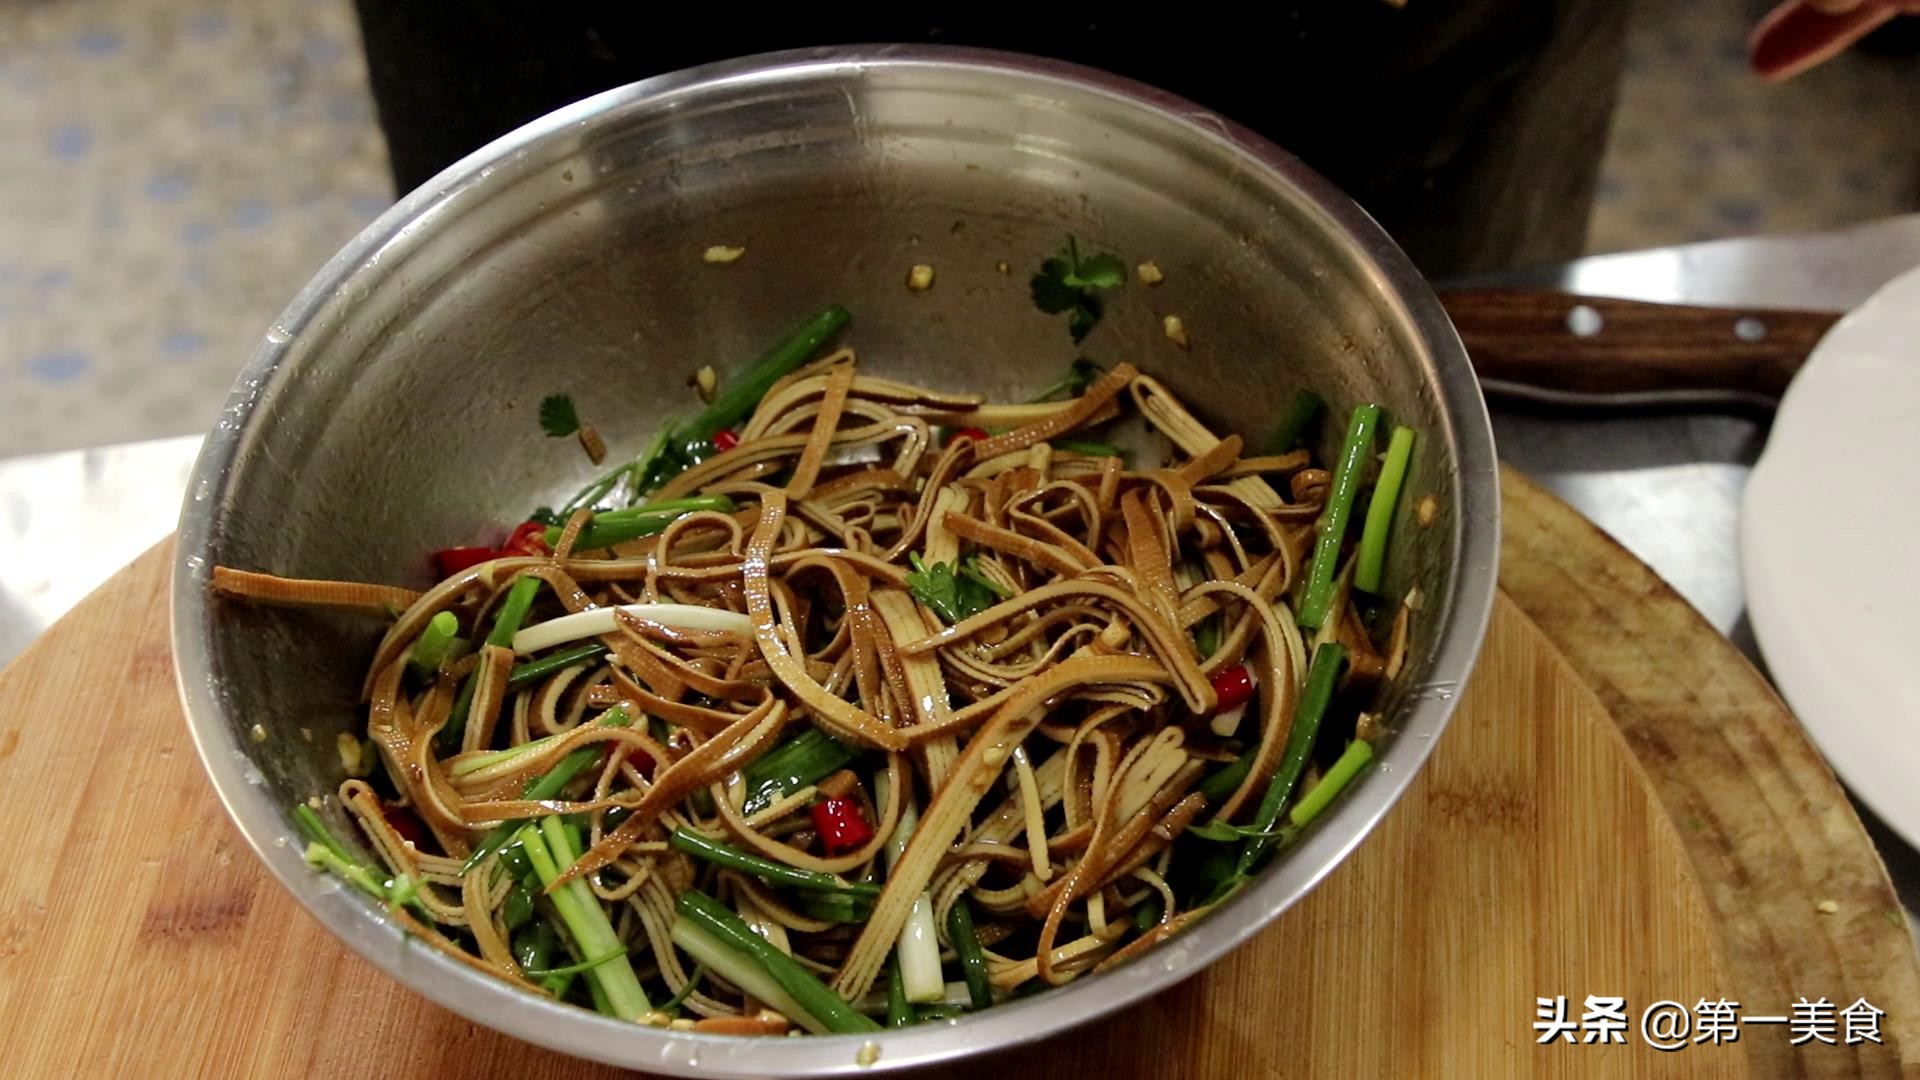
406,823
640,759
1232,687
842,825
529,537
453,560
725,440
974,433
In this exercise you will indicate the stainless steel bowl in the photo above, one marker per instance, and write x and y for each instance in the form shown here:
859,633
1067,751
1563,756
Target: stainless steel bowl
390,410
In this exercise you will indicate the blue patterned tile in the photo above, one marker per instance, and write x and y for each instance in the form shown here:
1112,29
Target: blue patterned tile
70,142
109,214
100,41
283,79
368,207
59,366
207,25
183,345
321,50
349,109
168,187
251,213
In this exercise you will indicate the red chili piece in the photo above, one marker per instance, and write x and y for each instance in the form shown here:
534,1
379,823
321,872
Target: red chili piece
1233,687
530,538
406,824
639,759
974,433
841,825
453,560
725,440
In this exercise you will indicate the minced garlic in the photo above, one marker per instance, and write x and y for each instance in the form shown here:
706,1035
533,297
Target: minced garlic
1175,330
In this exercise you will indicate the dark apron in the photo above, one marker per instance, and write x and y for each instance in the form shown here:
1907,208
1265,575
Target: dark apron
1472,129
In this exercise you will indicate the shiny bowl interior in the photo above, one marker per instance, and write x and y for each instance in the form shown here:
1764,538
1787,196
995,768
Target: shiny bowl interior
390,410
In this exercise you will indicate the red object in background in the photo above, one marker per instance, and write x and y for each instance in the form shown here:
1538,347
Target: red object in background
841,825
529,537
725,440
406,824
453,560
1232,687
974,433
1797,35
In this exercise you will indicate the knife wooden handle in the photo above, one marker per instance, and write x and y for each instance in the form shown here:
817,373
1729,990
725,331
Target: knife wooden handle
1561,346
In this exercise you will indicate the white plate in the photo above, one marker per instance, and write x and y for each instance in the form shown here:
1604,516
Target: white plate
1830,551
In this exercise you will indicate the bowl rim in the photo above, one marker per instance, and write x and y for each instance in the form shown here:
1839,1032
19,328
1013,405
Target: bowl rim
487,999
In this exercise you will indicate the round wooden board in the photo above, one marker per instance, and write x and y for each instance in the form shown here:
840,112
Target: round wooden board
1534,857
1768,829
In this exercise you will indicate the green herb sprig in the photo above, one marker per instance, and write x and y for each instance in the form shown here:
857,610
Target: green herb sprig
953,592
558,417
1070,282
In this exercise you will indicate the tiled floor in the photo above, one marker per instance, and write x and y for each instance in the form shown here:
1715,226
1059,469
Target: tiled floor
175,169
1701,149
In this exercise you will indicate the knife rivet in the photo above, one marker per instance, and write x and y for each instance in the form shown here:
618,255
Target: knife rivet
1584,321
1748,328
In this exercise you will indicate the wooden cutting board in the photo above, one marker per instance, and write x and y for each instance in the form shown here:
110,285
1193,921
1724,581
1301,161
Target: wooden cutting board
1768,829
1536,856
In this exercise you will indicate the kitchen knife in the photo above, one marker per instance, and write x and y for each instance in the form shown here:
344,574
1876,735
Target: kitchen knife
1566,349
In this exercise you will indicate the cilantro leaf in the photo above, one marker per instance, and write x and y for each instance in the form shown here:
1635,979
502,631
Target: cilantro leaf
1101,272
1051,292
1083,317
1067,283
952,594
970,571
558,418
